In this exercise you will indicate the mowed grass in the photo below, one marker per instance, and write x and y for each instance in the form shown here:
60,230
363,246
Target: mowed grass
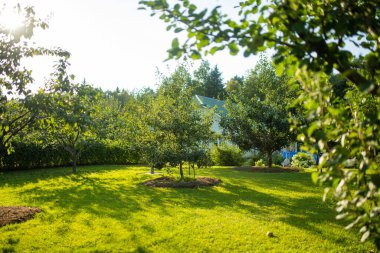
105,209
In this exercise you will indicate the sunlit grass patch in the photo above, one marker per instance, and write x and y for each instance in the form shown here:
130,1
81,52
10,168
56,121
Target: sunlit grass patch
107,209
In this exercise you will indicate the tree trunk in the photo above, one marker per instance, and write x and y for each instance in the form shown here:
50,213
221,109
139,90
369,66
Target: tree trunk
270,159
181,172
152,170
74,156
75,162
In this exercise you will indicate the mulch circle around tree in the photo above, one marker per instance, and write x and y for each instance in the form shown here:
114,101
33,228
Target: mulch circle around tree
169,182
267,170
16,214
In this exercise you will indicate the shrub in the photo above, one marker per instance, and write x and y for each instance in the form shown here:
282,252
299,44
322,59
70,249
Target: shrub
276,158
226,155
33,155
260,163
302,160
256,155
159,165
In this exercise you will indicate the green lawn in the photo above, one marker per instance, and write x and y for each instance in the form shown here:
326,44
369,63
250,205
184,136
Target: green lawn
105,209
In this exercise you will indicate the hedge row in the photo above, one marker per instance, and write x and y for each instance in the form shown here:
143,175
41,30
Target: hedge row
30,156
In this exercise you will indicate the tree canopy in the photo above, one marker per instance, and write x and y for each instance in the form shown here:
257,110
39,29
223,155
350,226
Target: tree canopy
176,127
18,107
258,111
69,110
303,33
208,81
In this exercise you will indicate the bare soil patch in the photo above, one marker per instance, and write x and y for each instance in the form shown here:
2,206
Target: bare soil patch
16,214
267,170
169,182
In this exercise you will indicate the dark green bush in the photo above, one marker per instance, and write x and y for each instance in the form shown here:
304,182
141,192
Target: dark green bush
226,155
201,158
276,158
256,155
33,155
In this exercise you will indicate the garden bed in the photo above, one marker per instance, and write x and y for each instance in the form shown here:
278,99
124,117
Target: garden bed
169,182
267,170
16,214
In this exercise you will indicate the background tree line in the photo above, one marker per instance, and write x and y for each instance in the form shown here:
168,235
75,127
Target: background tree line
79,124
69,123
65,122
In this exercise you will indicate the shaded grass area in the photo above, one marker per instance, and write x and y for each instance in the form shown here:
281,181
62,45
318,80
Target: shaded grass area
106,209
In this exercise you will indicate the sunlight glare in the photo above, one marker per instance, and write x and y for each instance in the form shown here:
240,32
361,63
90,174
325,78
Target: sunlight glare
10,19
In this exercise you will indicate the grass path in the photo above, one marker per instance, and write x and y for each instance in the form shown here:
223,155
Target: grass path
105,209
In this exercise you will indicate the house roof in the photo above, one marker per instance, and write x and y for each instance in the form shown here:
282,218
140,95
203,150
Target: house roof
211,103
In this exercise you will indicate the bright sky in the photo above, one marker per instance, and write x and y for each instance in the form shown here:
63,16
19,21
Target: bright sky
112,43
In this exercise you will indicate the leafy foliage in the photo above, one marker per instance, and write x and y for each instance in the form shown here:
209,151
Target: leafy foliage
234,84
302,160
303,33
69,109
257,112
345,129
259,163
18,107
277,158
16,115
107,136
209,82
226,155
175,128
33,155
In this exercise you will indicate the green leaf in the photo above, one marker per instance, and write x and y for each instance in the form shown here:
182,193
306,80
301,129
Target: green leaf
195,55
178,29
334,111
314,177
175,43
247,53
202,43
313,126
275,20
233,48
192,8
232,24
261,19
213,50
190,34
280,68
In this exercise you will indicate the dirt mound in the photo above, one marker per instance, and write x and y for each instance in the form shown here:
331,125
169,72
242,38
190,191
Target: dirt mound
169,182
267,170
16,214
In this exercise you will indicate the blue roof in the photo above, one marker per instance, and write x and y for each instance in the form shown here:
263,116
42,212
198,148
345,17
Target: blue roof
211,103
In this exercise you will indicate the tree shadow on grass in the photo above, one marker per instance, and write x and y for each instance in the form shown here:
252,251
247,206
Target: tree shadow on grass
86,194
119,200
18,178
295,182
